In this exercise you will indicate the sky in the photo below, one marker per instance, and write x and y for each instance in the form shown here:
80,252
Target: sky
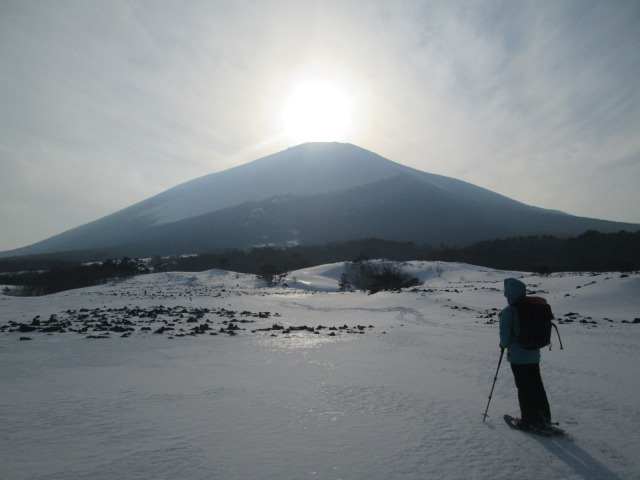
106,103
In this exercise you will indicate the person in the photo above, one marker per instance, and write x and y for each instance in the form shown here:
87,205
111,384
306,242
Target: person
525,364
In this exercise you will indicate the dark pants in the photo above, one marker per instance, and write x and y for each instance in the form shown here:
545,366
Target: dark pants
534,406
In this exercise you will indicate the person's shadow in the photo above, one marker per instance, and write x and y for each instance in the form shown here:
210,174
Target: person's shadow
565,449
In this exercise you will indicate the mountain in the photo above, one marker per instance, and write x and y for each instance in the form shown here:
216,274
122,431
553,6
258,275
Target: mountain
312,194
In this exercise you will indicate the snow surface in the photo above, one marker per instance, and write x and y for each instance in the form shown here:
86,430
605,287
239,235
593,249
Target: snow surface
401,400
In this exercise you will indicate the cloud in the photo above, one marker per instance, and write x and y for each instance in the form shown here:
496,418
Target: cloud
512,99
13,209
113,102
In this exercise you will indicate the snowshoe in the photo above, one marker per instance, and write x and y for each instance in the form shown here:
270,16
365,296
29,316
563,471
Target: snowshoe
547,430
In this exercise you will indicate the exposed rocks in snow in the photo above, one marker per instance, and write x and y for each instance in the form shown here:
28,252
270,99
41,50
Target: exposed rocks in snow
179,321
635,320
576,317
332,331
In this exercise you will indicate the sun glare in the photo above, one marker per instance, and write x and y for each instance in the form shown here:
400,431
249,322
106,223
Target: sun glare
317,111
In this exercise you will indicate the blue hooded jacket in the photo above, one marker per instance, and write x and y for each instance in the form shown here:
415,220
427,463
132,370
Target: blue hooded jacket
510,325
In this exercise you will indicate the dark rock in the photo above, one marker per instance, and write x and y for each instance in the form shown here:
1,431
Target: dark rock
51,329
120,329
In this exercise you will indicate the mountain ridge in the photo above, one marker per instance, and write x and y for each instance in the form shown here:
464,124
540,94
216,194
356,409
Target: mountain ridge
315,192
310,166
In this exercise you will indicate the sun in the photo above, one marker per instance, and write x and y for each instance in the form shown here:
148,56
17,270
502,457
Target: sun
317,111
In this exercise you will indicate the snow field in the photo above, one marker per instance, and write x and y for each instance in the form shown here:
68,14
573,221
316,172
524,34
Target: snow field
404,399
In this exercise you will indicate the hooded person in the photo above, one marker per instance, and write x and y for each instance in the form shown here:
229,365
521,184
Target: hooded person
525,364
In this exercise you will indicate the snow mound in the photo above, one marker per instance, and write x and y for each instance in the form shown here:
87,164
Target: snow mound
325,278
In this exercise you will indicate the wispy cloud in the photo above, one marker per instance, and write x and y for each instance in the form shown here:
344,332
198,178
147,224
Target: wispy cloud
112,102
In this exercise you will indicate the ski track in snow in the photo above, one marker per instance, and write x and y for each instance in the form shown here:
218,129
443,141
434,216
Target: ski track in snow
401,397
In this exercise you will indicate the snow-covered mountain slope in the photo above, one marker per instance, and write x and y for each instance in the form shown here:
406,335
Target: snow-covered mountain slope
312,383
314,193
309,169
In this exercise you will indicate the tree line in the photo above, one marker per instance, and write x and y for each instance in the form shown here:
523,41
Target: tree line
67,275
591,251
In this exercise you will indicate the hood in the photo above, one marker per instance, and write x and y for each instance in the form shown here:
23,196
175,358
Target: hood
514,289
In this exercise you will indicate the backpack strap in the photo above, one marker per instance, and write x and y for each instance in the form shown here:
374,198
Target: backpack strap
557,333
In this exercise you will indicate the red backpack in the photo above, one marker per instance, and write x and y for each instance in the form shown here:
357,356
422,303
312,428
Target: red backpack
535,318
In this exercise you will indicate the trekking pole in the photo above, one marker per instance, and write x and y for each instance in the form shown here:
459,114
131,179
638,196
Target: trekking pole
494,384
